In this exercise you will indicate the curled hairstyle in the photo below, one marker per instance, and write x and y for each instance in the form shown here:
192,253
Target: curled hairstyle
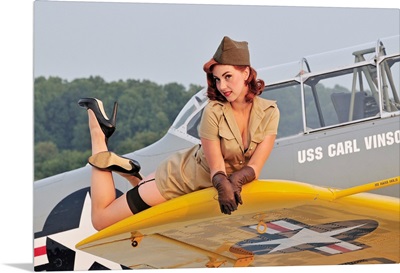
256,86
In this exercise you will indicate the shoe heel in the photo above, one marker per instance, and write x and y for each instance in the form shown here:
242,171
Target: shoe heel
114,114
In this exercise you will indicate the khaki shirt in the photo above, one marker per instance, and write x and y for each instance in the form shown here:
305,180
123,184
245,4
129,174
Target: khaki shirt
188,171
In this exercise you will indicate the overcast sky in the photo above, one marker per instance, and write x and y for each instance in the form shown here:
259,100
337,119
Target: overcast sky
171,42
163,43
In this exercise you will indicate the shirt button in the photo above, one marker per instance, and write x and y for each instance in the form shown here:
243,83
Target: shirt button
240,162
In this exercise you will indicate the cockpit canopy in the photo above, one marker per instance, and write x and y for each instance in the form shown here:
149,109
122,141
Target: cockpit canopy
324,90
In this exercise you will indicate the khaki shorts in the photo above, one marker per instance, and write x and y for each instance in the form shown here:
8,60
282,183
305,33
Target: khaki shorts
182,173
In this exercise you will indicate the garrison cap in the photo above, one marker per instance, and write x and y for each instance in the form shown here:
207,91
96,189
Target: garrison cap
229,52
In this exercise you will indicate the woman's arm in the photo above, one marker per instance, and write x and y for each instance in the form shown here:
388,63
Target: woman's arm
261,154
252,170
213,154
219,179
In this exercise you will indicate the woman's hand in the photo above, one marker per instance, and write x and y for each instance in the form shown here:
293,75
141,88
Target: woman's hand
239,178
226,196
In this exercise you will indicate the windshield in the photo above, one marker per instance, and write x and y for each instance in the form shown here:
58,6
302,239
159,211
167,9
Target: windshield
195,104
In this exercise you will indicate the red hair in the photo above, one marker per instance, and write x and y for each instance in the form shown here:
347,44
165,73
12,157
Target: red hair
256,86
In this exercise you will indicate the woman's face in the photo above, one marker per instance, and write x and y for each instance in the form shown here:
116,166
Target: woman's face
230,81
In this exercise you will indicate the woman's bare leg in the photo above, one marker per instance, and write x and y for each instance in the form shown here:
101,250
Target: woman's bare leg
133,180
106,209
149,192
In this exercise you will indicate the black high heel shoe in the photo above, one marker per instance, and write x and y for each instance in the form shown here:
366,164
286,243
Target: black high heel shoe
109,161
107,125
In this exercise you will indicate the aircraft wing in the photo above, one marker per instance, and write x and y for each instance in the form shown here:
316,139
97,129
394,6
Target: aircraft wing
281,223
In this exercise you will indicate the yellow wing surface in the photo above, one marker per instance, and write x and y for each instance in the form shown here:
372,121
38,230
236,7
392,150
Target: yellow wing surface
280,223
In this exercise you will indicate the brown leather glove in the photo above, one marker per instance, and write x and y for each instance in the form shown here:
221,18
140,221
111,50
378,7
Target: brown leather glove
239,178
226,197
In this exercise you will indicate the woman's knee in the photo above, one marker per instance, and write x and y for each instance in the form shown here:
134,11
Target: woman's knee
98,222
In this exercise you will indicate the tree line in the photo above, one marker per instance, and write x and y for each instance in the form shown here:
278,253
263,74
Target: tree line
61,135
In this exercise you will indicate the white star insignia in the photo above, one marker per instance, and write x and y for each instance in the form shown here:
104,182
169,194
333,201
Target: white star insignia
305,236
69,238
